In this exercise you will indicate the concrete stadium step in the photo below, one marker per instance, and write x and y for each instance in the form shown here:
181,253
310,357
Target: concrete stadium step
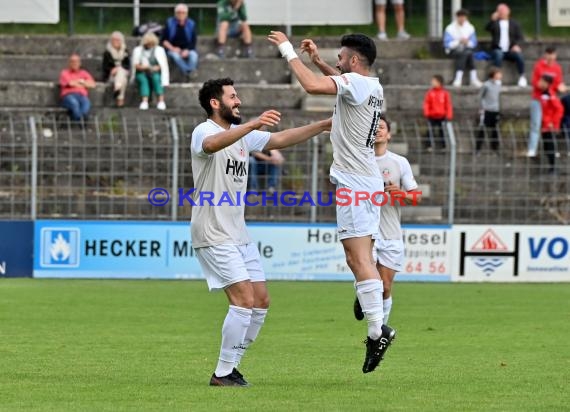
398,98
259,70
45,94
47,68
94,45
425,189
422,214
410,99
420,71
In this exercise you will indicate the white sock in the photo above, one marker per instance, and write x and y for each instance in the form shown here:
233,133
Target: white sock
473,74
233,332
369,294
257,319
459,76
387,308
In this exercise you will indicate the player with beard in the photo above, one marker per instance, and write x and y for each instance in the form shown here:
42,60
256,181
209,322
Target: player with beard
229,259
359,103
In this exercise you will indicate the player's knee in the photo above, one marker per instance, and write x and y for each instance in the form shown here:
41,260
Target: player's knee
245,301
357,261
263,302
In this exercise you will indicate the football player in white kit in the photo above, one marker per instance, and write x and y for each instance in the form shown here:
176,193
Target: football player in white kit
359,102
229,259
400,183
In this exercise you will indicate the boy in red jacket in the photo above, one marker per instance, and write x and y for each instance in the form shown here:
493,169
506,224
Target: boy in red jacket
545,65
437,109
552,113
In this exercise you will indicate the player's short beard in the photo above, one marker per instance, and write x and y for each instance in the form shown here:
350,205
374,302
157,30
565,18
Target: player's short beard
343,70
227,114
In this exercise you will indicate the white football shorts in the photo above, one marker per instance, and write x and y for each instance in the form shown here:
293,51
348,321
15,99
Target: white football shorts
389,253
357,221
224,265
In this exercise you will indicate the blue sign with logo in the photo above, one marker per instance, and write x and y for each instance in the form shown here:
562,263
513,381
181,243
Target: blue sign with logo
60,247
162,250
16,248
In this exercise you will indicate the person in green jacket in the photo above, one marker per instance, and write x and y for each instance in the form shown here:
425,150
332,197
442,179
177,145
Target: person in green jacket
232,22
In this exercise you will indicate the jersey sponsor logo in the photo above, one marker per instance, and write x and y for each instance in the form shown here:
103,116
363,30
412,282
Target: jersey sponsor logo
236,168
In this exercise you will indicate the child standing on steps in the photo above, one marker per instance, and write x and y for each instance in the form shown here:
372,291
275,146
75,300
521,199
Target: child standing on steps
438,109
490,110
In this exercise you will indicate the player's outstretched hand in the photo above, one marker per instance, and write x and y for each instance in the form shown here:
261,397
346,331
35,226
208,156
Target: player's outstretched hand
277,37
268,118
308,46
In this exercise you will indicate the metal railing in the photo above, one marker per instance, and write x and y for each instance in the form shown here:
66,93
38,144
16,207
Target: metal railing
51,168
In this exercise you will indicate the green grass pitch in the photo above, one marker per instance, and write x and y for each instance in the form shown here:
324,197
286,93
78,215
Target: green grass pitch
95,345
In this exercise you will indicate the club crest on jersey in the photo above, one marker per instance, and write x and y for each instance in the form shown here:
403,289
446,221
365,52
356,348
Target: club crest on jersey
386,172
241,152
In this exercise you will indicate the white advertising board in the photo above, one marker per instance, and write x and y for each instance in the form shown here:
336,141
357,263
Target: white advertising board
302,12
29,11
559,13
511,253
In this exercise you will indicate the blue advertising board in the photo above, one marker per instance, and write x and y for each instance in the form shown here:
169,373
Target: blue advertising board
16,248
162,250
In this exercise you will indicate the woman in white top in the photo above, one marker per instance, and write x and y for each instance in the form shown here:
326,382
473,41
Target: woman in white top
150,69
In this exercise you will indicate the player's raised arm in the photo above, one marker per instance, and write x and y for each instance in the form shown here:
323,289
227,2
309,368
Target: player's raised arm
219,141
297,135
308,46
312,83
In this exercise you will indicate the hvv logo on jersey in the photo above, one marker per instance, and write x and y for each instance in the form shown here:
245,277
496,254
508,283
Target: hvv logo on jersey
59,247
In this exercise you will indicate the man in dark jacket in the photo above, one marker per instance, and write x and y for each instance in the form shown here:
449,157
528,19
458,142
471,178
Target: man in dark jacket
506,38
179,39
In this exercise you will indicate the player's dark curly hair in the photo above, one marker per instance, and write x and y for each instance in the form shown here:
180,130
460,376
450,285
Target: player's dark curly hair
361,44
212,89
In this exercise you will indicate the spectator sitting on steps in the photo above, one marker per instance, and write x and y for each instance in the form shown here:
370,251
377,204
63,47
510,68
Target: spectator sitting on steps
116,66
459,41
150,66
74,83
179,38
506,36
232,22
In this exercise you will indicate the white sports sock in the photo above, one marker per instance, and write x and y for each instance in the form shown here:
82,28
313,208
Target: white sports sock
459,76
369,294
387,309
257,319
473,75
233,332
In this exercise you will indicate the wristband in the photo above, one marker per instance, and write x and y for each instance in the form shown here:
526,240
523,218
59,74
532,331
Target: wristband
287,51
